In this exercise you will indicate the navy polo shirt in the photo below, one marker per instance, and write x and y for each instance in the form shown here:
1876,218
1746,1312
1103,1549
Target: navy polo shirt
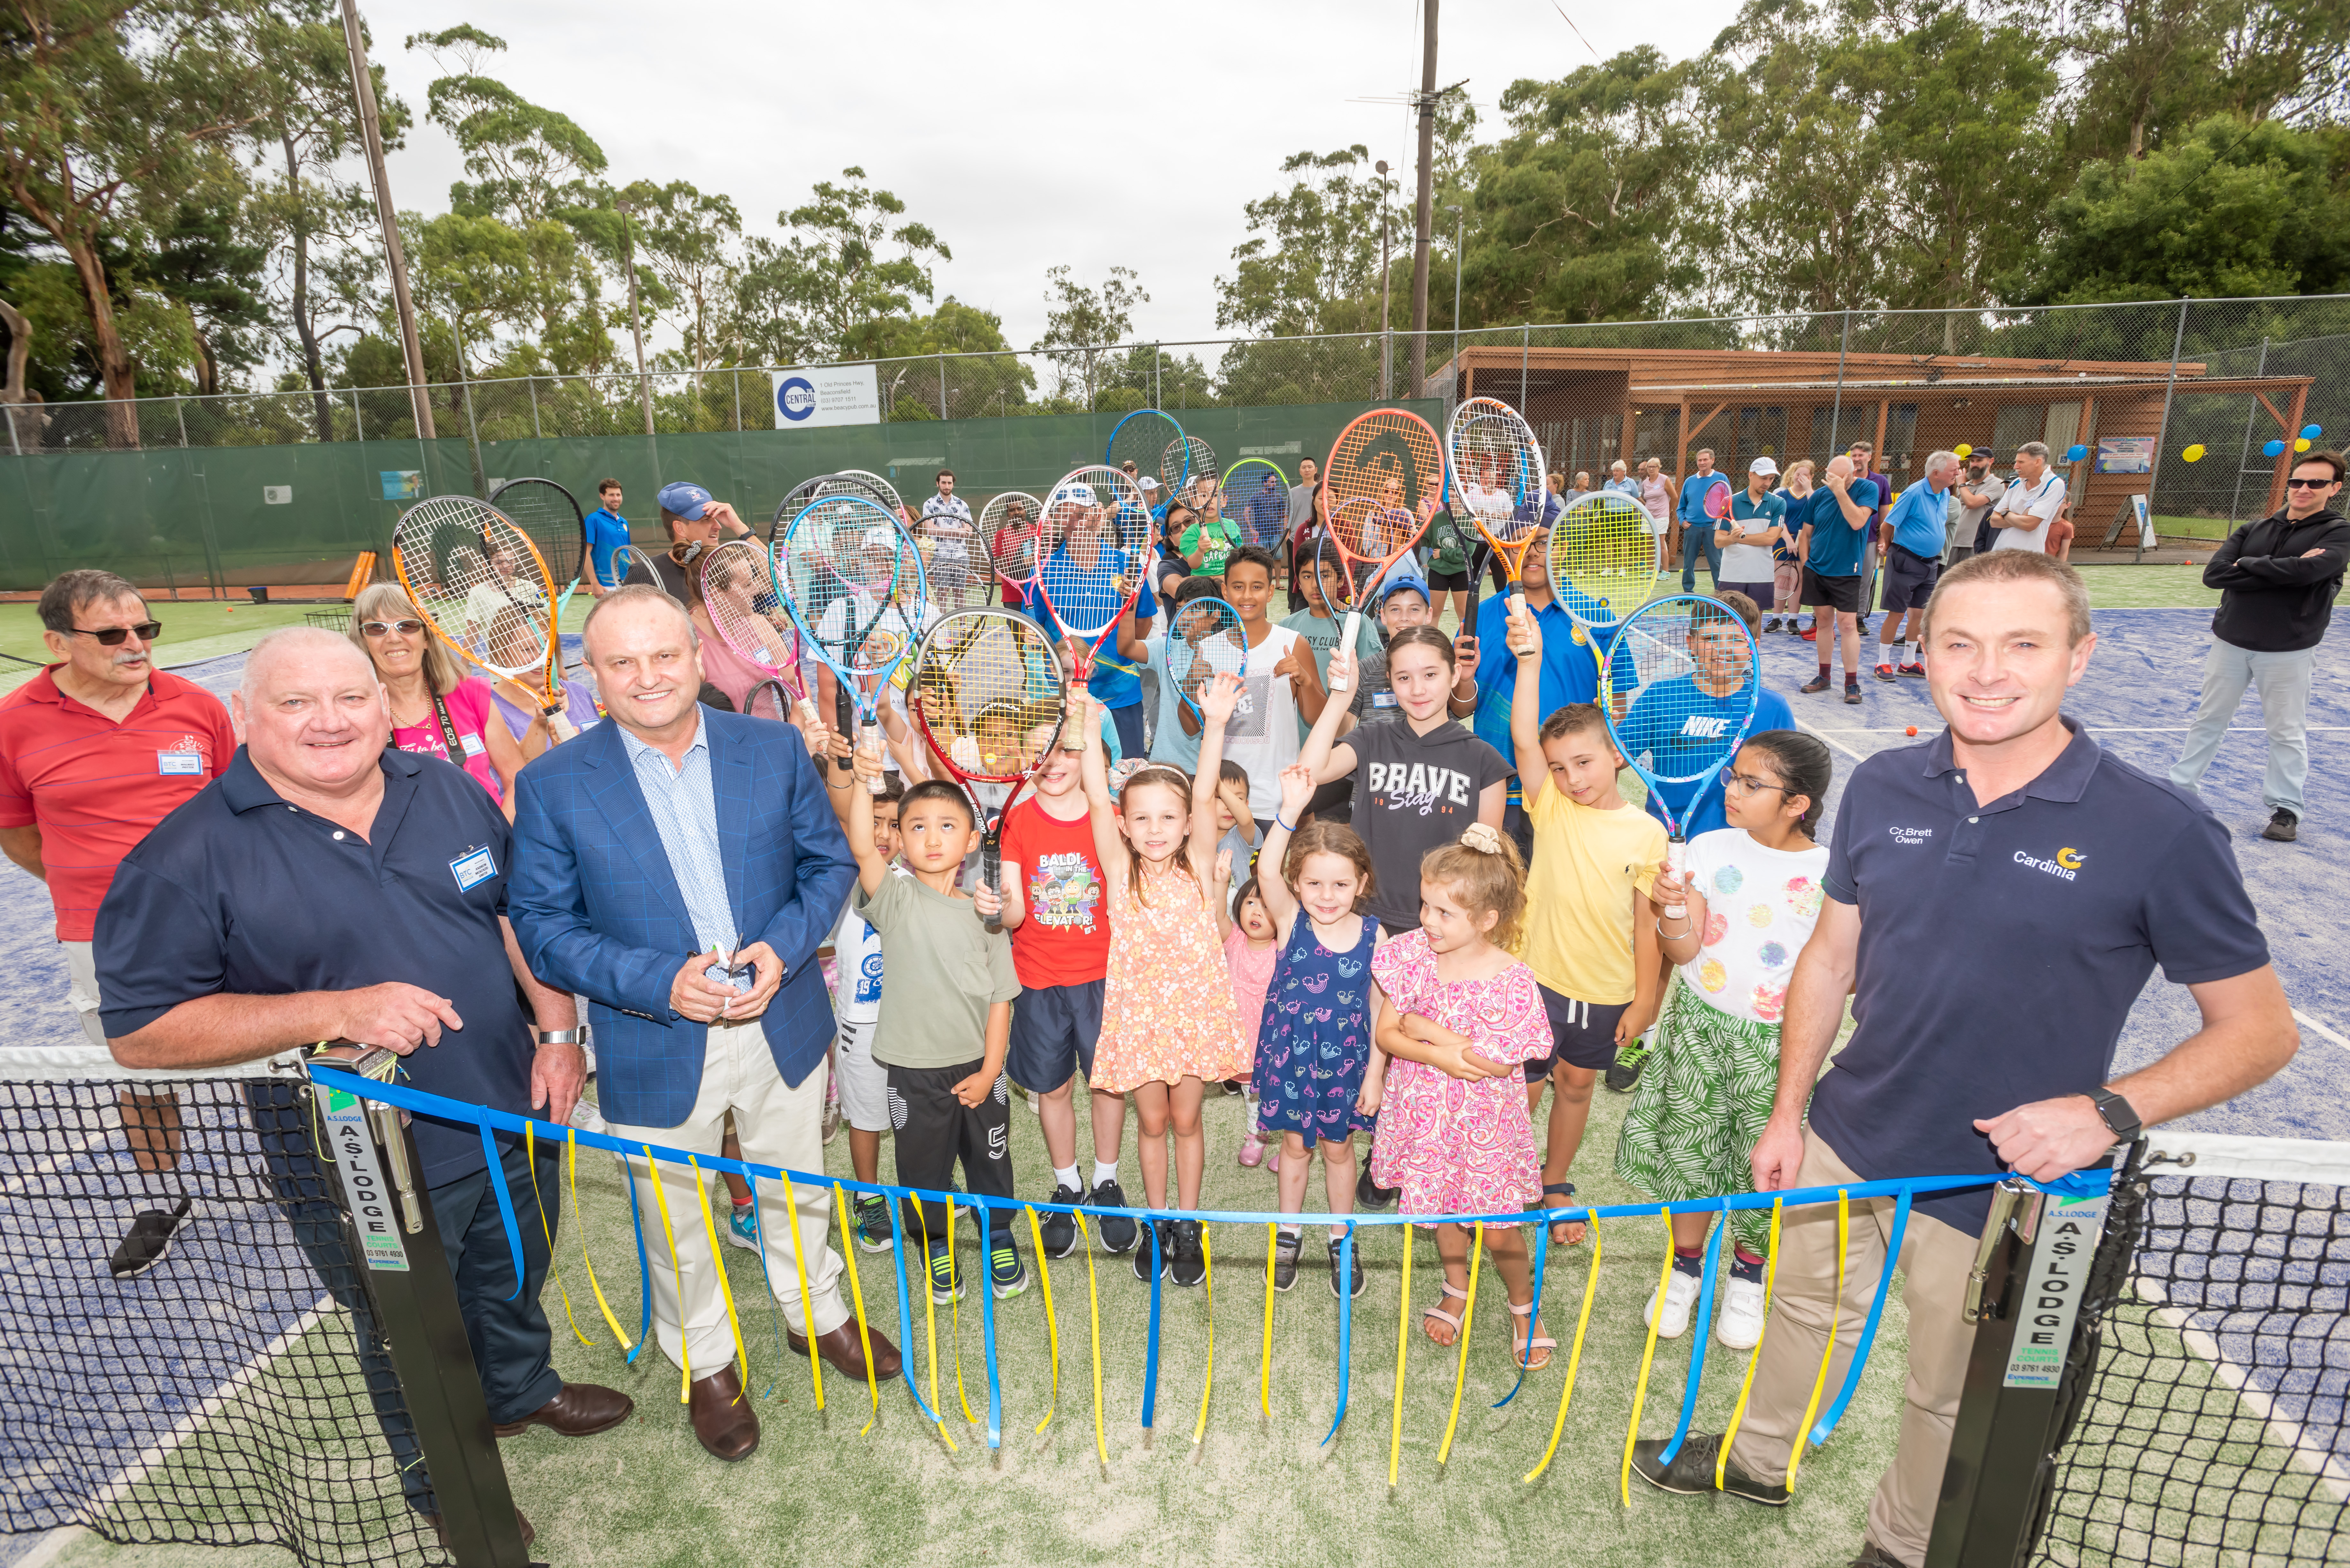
1570,672
239,892
2061,897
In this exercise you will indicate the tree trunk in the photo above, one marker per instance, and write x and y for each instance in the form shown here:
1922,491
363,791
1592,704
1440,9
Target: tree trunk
114,364
311,368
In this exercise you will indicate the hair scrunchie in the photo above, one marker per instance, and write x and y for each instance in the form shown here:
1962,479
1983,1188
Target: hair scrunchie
1482,837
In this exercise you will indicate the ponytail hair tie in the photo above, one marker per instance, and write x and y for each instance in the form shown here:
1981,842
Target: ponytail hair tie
1482,837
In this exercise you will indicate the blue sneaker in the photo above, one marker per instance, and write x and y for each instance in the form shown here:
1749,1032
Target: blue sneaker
873,1231
742,1227
1007,1276
944,1286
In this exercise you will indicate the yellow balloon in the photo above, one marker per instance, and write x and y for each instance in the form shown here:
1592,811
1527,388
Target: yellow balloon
1963,450
2301,446
2192,455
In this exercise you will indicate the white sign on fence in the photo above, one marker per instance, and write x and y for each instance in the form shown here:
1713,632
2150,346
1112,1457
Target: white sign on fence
277,495
827,395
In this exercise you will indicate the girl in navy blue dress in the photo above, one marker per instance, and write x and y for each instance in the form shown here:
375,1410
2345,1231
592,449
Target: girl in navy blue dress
1315,1045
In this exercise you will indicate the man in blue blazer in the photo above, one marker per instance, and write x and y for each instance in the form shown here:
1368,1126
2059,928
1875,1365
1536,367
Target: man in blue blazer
678,867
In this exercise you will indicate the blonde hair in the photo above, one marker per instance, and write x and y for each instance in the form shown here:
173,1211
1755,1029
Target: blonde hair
1484,868
443,671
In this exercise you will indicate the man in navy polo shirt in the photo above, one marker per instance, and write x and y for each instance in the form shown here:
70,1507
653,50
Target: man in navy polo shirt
303,896
2065,875
1570,673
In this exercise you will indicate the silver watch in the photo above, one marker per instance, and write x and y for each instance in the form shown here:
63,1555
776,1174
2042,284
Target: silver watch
561,1036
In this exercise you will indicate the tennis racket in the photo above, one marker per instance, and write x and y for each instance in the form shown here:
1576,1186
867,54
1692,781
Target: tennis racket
987,699
550,515
480,582
1204,639
809,491
1389,461
738,591
1683,681
851,577
1142,439
630,565
1495,477
1195,460
1092,559
882,488
768,700
1011,524
1256,496
1603,558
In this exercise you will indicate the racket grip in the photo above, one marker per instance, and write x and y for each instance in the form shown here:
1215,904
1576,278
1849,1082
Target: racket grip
1346,635
1677,863
807,712
560,726
870,744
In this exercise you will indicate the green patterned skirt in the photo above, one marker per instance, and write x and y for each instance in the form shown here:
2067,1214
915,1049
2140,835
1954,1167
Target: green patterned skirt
1704,1096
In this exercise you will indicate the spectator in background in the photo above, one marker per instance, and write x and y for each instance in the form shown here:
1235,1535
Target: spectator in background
1619,479
1582,486
694,521
1872,543
2022,519
2277,580
1831,547
1657,494
437,709
1697,528
513,639
1301,498
1757,522
1913,561
94,752
947,531
1787,553
607,532
1976,492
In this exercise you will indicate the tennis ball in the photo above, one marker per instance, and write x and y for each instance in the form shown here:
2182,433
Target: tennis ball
1913,729
2192,455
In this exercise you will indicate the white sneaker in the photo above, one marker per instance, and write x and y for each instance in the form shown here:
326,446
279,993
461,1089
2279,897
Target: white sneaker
1739,1324
1680,1298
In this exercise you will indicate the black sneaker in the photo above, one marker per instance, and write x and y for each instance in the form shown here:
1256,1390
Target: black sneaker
944,1286
1852,689
1189,1266
1691,1472
1007,1276
1149,1260
1818,683
2283,827
1285,1247
1355,1281
149,1238
1060,1230
1624,1071
1772,624
1118,1231
873,1231
1370,1194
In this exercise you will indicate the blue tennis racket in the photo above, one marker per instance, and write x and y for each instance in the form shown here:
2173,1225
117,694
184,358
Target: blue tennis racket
851,576
1140,446
1204,639
1681,685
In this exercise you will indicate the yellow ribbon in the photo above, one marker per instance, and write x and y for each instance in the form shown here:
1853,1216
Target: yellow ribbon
530,1157
1573,1356
1403,1341
1264,1367
718,1261
1469,1316
1647,1355
1052,1321
677,1273
1835,1313
571,1137
931,1316
1754,1357
857,1294
954,1310
807,1317
1207,1283
1093,1296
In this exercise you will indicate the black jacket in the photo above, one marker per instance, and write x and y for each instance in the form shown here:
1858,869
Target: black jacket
2270,599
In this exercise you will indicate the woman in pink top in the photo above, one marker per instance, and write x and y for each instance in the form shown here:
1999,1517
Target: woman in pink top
436,711
1656,495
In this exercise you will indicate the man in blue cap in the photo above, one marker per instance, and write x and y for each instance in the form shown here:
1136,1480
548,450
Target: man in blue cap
694,521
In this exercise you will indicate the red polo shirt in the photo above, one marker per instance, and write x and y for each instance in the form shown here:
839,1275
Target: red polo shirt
94,788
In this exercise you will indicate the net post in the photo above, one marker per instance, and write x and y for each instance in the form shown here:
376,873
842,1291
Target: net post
2032,1270
374,1159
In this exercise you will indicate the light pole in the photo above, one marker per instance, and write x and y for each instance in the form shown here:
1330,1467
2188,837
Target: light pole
1456,296
1387,290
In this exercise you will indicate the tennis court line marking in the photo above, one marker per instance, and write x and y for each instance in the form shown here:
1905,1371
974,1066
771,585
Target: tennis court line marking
2306,1021
2283,1430
112,1123
1830,737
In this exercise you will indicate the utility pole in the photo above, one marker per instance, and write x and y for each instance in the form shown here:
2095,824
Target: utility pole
1423,213
636,322
1387,290
371,132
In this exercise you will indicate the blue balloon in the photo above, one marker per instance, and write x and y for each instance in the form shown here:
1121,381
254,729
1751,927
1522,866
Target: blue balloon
2312,431
2076,453
2273,449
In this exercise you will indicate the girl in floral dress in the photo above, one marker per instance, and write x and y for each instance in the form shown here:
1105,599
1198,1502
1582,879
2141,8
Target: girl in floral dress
1252,952
1314,1044
1752,892
1164,1034
1462,1017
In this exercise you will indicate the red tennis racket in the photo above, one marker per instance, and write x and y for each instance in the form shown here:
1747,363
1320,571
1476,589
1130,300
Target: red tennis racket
1092,558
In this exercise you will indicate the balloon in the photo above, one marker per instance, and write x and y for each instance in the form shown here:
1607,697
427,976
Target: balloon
1963,450
2192,455
2076,453
2311,431
2273,449
2301,446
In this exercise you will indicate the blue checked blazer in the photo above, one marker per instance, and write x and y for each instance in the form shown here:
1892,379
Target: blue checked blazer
597,909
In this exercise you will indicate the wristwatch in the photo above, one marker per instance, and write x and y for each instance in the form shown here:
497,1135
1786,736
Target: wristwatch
2117,1116
561,1036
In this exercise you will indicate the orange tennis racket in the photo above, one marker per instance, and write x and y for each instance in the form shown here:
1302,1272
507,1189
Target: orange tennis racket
482,584
1382,485
1496,474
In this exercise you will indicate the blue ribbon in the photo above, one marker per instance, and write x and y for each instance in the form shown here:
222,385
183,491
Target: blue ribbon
1541,1253
1835,1413
1704,1332
906,1310
987,1323
644,1269
1346,1323
773,1299
1150,1355
505,1205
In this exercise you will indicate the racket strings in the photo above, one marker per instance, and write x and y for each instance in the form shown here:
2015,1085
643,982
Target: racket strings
1144,439
1256,496
1095,536
739,595
1204,639
848,575
1497,470
986,685
476,577
1604,555
545,511
1681,683
1387,456
1009,524
1195,460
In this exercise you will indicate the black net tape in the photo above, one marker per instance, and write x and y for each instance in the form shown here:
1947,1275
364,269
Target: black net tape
234,1393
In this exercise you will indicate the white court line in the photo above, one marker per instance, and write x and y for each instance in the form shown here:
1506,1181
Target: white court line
2306,1021
2283,1430
1830,737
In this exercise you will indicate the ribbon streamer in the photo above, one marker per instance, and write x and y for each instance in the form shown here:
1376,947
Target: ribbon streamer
1150,1352
726,1289
505,1201
1869,1329
1208,1283
799,1261
987,1326
1093,1300
1264,1364
1696,1351
1835,1314
1575,1356
610,1320
774,1299
1468,1317
677,1273
1754,1356
1052,1319
1647,1355
1346,1323
857,1295
538,1201
1542,1255
1403,1343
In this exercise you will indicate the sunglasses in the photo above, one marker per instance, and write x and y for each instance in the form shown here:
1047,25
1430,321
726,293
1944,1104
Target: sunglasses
386,628
2288,484
112,637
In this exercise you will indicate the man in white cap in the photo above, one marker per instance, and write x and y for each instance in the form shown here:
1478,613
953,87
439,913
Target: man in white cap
1757,520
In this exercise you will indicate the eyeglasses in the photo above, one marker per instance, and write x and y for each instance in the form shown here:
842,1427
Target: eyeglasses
2288,484
112,636
1746,784
386,628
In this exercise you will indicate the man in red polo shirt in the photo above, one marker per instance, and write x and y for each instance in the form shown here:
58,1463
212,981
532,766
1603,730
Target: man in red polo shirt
95,750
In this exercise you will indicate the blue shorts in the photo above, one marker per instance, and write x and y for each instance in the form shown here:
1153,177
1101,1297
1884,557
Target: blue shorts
1054,1028
1582,1035
1129,721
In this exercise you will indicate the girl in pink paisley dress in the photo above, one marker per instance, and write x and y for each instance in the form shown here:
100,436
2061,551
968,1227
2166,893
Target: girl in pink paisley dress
1461,1017
1168,1024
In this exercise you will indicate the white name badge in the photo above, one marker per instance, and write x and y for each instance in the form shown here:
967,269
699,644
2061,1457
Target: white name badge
1383,700
180,762
470,744
474,868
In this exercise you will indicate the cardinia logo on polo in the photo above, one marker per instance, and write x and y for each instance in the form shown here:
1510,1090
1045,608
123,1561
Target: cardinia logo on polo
2067,863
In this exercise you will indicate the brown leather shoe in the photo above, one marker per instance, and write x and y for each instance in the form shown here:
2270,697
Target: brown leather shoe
721,1417
580,1410
441,1531
841,1352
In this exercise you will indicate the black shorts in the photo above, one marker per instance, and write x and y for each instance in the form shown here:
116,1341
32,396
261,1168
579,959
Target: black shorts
1760,593
1054,1028
935,1133
1908,579
1457,582
1582,1035
1839,594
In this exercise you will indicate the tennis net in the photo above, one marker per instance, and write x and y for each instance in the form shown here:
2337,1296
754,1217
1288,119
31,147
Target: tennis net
235,1392
2213,1430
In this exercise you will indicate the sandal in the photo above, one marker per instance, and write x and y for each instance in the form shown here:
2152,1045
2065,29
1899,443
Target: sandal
1562,1190
1522,1352
1435,1310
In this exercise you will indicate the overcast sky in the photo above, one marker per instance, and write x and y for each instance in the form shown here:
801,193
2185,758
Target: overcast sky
1028,133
